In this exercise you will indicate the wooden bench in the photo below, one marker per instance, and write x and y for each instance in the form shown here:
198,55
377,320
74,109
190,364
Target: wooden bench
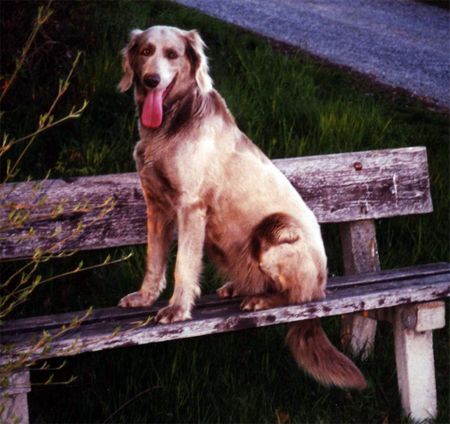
351,189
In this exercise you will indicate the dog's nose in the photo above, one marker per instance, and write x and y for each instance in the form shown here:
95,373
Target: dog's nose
152,80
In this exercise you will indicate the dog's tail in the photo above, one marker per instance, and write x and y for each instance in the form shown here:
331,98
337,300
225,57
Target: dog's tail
318,357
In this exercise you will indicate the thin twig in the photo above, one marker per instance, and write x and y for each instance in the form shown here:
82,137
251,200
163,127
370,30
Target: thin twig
131,400
45,121
72,115
76,271
43,15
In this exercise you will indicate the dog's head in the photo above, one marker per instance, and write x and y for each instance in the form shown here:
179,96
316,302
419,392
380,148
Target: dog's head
163,63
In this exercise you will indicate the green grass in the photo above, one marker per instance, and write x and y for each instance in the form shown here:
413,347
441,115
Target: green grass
290,106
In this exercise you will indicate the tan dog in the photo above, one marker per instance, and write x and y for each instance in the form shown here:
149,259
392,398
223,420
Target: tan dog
202,176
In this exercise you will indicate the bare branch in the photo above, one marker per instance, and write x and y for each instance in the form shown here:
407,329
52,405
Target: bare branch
43,16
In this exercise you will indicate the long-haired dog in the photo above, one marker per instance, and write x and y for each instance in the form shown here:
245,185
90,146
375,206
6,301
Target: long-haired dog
203,177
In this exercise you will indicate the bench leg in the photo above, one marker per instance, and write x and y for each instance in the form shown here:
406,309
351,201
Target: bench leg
13,398
414,357
360,254
358,334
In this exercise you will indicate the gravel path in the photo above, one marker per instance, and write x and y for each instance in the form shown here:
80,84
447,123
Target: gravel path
400,43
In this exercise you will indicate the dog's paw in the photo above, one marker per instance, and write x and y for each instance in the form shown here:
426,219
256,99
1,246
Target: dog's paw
227,290
172,313
255,303
135,300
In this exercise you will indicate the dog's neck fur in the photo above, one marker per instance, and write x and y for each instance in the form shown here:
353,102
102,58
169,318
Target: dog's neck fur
183,116
184,113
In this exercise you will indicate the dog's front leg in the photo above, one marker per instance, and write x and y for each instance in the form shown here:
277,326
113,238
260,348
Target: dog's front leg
159,237
191,236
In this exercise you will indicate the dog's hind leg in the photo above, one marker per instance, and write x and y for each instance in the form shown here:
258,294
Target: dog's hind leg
236,289
229,289
296,277
298,274
264,301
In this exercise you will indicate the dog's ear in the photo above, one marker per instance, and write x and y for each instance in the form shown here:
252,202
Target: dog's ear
127,80
199,62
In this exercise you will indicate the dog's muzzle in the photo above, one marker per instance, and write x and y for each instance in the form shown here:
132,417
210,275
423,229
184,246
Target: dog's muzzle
152,80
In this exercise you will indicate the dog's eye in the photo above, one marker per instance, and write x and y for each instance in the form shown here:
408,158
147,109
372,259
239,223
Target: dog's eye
146,52
171,54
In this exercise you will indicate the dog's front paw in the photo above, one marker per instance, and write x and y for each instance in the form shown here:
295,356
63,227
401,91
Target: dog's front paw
135,300
227,290
172,313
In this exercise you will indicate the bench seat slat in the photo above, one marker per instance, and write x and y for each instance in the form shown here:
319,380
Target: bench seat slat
224,316
57,320
74,213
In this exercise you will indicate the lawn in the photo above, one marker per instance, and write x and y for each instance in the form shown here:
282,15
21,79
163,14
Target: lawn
290,105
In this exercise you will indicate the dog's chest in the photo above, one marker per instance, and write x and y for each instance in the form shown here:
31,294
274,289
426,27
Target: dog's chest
159,187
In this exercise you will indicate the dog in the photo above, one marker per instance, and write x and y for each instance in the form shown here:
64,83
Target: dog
202,177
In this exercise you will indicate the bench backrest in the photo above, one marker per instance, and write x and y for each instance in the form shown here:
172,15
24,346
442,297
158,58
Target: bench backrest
106,211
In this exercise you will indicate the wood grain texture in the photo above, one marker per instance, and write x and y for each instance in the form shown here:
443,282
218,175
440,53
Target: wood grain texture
359,247
115,327
74,213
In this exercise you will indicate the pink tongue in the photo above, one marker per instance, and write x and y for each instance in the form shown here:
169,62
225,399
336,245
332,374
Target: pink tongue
152,112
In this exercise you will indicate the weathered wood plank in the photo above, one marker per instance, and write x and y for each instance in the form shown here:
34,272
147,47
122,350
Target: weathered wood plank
107,334
106,211
46,322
